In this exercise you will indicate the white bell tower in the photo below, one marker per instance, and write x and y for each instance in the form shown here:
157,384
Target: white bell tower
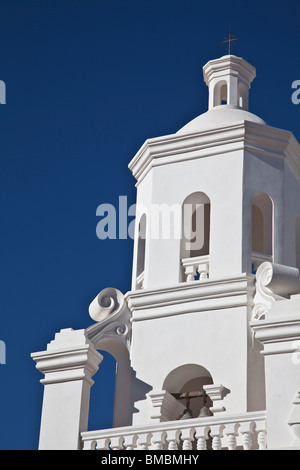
217,242
194,257
231,166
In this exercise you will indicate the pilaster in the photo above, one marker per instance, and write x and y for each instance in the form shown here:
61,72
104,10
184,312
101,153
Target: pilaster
68,364
280,335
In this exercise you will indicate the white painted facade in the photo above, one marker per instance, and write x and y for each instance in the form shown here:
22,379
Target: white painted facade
215,301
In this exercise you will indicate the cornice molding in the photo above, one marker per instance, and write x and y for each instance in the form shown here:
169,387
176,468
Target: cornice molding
189,297
237,66
67,364
244,135
278,335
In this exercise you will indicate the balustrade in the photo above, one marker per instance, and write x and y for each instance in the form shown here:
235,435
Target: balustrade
194,267
237,432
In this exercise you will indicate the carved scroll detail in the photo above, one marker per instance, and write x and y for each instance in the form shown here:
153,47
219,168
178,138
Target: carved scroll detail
273,282
109,309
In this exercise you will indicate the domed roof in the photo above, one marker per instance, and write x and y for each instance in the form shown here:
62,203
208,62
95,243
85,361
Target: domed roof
219,116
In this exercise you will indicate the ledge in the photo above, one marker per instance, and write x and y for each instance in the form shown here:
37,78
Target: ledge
243,135
278,335
194,296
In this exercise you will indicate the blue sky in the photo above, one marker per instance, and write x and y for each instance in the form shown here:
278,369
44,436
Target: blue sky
87,83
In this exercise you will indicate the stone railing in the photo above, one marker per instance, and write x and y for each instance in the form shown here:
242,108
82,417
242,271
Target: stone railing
236,432
194,267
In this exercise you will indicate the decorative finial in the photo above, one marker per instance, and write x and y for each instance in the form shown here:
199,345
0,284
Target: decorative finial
229,40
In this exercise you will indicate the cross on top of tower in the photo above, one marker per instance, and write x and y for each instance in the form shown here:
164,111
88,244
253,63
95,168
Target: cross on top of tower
229,40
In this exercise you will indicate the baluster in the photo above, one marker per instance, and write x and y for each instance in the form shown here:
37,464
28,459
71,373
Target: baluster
190,272
261,439
232,432
89,445
144,441
246,430
130,441
231,442
201,443
202,269
172,438
172,445
202,435
216,434
116,443
187,444
247,440
216,443
203,275
158,440
187,436
103,444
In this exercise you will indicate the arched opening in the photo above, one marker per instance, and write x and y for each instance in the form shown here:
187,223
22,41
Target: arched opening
141,252
102,395
220,93
243,96
297,241
195,237
262,229
111,406
223,93
195,225
190,379
257,229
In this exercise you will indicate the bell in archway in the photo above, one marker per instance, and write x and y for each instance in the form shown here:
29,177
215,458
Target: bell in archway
187,414
204,412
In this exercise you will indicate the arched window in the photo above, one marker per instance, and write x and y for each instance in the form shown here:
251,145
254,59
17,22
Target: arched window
243,96
220,93
141,251
195,225
195,235
262,229
297,241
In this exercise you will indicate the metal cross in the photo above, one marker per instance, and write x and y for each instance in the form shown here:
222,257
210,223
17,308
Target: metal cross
229,40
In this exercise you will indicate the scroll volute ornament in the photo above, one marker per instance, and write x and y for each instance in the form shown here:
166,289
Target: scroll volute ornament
109,309
273,282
